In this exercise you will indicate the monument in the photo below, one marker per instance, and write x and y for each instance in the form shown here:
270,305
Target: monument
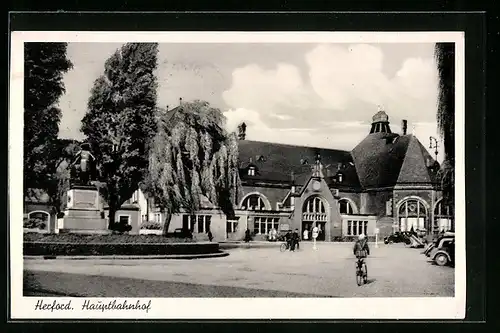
83,214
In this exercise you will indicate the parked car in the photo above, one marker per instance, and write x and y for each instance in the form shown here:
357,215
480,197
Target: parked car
442,252
182,233
397,237
435,243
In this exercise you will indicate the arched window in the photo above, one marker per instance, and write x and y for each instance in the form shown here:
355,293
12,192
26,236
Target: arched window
253,202
345,207
412,214
37,220
443,215
314,205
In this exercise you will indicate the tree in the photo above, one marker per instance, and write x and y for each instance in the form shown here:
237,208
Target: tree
119,123
192,155
445,59
44,66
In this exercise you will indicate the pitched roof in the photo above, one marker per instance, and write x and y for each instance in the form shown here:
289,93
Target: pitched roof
384,159
418,165
281,163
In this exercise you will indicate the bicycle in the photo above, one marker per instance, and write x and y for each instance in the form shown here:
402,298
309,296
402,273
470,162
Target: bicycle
361,272
286,246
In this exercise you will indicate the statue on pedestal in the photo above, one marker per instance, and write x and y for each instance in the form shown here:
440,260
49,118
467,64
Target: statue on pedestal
83,167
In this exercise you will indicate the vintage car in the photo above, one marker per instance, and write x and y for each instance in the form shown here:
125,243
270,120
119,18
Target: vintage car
182,233
397,237
442,251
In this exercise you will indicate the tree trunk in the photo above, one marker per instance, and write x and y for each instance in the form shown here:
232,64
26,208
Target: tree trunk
166,225
112,213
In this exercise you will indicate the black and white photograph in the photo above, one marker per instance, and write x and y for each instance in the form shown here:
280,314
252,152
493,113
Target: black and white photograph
237,175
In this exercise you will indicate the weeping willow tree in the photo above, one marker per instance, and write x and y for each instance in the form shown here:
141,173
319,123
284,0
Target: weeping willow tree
192,156
445,59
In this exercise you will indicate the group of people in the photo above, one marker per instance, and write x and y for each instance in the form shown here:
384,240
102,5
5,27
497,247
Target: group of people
292,239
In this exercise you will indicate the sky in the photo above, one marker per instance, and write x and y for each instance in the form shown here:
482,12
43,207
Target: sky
321,95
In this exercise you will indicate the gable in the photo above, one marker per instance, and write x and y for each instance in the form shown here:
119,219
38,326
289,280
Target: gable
415,165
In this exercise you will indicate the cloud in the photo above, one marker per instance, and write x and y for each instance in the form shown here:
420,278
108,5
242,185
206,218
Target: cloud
337,94
280,116
340,83
329,136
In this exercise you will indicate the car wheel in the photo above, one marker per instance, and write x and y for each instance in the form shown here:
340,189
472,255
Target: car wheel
391,242
441,259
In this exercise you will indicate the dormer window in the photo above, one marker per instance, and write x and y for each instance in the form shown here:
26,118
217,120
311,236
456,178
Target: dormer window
339,177
260,158
303,161
251,171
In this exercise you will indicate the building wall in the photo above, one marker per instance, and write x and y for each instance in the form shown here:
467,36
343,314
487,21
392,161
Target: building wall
425,195
354,197
333,227
376,201
41,207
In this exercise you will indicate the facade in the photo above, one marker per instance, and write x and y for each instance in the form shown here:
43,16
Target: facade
387,183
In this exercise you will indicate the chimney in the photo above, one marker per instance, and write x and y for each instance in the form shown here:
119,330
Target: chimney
180,100
167,107
242,131
404,126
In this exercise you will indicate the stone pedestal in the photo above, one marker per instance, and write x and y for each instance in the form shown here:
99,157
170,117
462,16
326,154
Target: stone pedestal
83,213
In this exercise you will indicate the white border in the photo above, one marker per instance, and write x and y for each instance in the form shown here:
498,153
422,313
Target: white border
245,308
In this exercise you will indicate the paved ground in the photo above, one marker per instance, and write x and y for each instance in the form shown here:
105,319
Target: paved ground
393,270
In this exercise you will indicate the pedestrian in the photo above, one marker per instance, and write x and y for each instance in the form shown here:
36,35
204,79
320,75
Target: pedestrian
295,240
247,236
273,234
305,234
210,236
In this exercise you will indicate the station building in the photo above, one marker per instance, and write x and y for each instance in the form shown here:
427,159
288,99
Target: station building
388,182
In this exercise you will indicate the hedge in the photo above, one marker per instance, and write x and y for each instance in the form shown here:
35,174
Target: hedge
89,249
108,239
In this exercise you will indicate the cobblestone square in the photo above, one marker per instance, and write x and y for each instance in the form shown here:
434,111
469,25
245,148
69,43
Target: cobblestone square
252,271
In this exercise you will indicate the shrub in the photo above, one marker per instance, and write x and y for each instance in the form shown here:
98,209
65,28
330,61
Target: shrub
151,225
62,249
103,239
35,223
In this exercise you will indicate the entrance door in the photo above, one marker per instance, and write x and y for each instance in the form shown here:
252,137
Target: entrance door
321,226
307,226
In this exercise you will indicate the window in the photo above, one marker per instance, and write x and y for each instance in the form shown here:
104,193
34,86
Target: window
123,219
345,207
262,225
204,223
254,202
144,218
314,205
158,217
355,228
443,215
412,215
339,177
251,171
232,226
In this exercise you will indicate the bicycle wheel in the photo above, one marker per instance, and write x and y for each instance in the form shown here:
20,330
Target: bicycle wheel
365,273
283,247
359,275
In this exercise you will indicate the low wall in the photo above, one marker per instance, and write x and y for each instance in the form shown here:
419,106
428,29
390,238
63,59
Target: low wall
102,249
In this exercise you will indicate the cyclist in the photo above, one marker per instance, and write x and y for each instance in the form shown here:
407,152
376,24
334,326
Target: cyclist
361,249
294,240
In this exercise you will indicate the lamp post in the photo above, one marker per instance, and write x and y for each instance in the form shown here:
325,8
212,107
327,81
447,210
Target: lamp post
434,144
